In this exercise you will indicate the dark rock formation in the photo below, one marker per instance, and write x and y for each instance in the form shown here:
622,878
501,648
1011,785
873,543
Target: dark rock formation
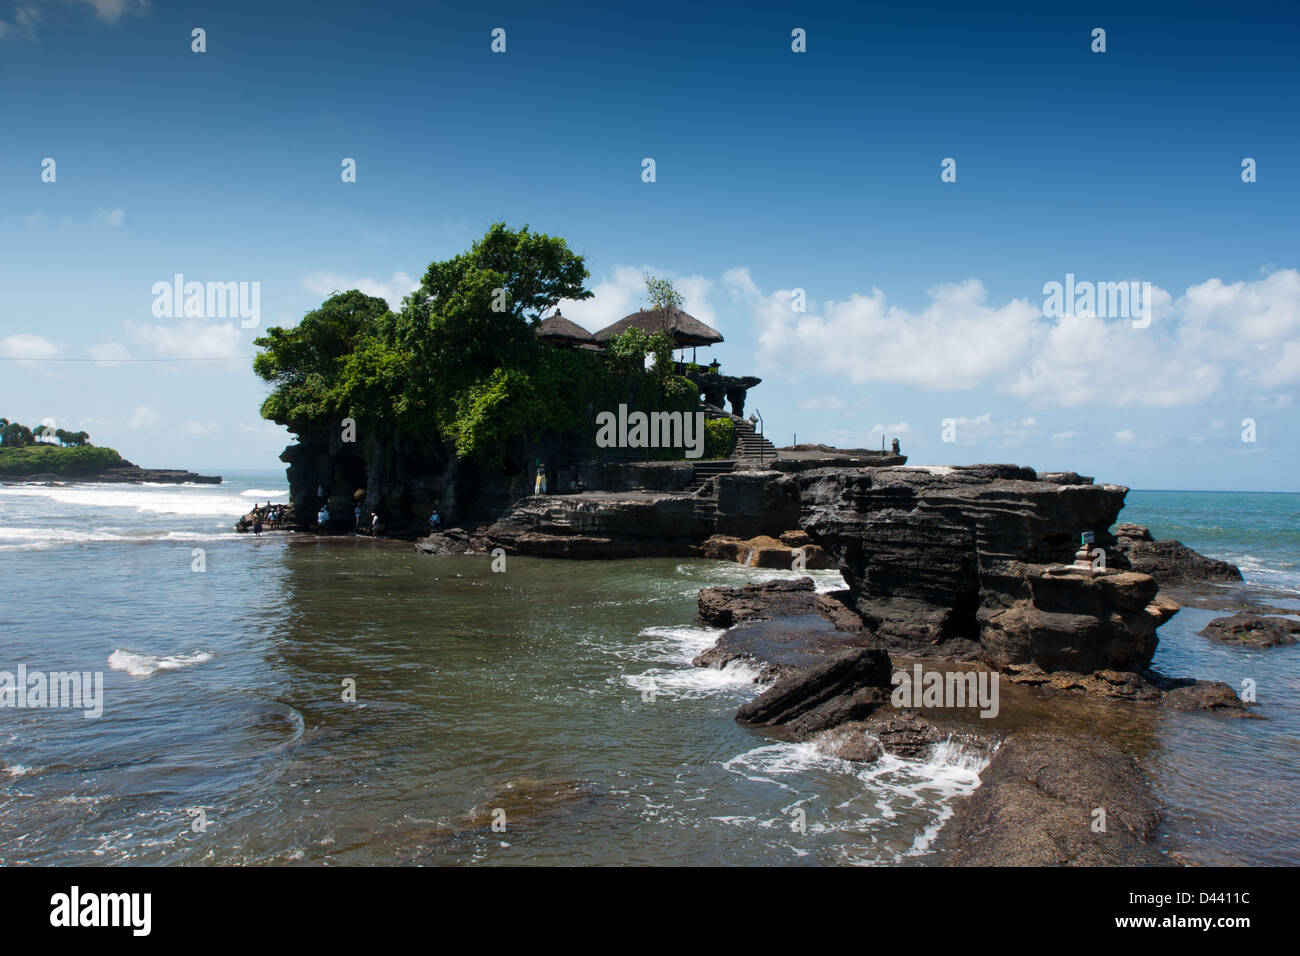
1074,619
723,607
902,733
451,541
124,472
1253,630
1036,804
781,645
924,551
604,525
843,685
754,503
1143,686
404,478
1171,563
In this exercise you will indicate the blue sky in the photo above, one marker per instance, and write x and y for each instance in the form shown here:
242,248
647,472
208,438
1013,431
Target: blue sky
775,171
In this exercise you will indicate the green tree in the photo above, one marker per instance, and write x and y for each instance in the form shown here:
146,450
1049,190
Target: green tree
662,293
307,363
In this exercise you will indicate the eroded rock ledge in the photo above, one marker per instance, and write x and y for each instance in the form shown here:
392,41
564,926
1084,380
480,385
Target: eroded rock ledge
1037,805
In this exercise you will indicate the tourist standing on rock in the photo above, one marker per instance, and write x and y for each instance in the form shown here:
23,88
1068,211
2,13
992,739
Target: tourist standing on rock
323,516
539,486
257,523
374,525
357,512
435,522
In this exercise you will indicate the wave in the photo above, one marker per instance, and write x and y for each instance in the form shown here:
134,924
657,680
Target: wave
42,539
694,683
269,493
164,500
891,786
733,574
143,665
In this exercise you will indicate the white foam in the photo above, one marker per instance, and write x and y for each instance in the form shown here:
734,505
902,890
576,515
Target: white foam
156,499
270,494
678,644
694,683
890,784
41,539
143,665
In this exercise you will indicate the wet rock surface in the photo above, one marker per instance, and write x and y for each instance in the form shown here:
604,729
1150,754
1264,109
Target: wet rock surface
1143,687
781,645
1036,804
724,606
451,541
765,551
1253,630
903,733
840,686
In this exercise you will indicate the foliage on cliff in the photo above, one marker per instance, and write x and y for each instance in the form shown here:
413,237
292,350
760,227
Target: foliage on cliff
16,435
51,459
460,359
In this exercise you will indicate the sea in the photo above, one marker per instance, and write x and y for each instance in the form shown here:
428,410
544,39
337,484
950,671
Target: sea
285,699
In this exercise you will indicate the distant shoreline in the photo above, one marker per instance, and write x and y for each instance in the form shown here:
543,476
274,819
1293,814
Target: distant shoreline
41,464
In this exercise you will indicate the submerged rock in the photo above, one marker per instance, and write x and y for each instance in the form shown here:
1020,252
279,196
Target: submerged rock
1253,630
528,801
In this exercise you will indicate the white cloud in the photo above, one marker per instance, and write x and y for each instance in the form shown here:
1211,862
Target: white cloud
1213,337
108,351
1065,438
111,217
24,345
198,428
191,338
956,342
1125,437
392,290
144,417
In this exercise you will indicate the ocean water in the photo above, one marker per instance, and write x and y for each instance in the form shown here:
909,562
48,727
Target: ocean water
557,697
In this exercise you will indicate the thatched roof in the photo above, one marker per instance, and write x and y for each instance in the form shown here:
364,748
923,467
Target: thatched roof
686,330
561,331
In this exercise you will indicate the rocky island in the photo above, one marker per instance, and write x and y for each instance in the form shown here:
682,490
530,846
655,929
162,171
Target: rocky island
49,454
993,576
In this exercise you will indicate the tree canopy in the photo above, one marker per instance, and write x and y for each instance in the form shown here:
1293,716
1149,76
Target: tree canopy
460,359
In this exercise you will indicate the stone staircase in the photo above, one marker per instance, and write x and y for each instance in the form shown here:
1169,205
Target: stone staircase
704,470
749,445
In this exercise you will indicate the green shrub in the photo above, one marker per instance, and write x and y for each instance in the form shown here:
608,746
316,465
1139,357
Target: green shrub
50,459
719,437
